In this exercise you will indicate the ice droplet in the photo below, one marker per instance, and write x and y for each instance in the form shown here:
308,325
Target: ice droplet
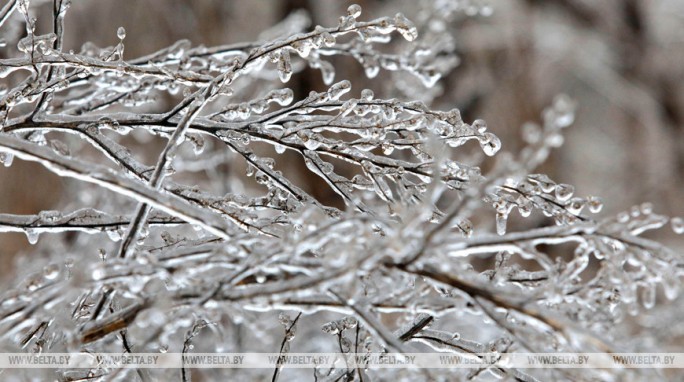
564,111
6,159
564,191
677,224
349,322
486,11
595,204
490,144
405,27
646,208
339,89
480,126
121,33
114,234
282,97
331,327
31,235
623,217
532,133
525,209
575,205
51,271
346,22
354,10
429,77
284,319
501,223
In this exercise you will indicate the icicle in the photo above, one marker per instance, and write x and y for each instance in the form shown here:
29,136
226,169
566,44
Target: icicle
354,10
501,219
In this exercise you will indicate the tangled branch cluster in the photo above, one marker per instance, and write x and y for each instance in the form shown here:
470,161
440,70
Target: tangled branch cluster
216,236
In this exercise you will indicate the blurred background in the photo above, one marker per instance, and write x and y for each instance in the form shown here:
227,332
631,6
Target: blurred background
620,60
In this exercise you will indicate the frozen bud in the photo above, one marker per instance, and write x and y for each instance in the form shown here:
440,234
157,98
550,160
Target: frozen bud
480,126
453,117
349,322
646,208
